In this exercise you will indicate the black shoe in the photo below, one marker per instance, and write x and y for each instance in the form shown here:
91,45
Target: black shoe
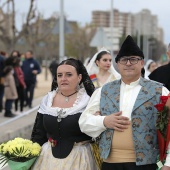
9,114
25,105
30,107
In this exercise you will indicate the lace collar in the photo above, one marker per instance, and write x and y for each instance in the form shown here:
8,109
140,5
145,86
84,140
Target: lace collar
78,106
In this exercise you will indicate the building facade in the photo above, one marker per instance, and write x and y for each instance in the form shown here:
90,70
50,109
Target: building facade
142,23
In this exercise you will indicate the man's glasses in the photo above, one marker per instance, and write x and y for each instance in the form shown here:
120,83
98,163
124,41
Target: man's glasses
132,60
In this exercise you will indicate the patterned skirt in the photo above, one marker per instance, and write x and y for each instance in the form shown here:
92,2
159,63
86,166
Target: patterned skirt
80,158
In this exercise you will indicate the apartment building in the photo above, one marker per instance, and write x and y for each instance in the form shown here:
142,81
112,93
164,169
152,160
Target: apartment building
142,23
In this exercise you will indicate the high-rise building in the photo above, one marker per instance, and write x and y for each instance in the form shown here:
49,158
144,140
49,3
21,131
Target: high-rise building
123,21
146,23
142,23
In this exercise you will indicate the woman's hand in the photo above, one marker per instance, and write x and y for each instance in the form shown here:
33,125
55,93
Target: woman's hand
116,121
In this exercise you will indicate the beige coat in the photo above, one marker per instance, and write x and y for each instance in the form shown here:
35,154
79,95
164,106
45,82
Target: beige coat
10,88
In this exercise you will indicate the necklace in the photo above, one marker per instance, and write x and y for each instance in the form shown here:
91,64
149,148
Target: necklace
67,97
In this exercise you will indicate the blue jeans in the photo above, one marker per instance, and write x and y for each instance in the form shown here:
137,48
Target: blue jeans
29,93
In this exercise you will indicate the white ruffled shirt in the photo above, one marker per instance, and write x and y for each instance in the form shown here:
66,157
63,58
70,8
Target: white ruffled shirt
78,106
93,125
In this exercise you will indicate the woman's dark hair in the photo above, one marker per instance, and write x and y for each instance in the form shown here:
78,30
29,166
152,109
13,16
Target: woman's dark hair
3,53
12,61
15,51
80,69
143,72
99,56
71,62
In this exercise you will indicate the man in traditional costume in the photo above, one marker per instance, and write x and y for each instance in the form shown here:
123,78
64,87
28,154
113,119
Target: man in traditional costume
126,124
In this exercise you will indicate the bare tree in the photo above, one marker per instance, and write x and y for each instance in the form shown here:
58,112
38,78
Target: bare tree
77,43
9,35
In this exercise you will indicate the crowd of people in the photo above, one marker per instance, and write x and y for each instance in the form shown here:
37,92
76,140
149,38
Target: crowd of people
98,104
17,81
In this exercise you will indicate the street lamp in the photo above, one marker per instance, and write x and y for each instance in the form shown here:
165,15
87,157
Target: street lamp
43,44
61,32
64,28
111,28
139,31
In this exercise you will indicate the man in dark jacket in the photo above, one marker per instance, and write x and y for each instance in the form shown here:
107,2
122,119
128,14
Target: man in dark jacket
162,73
30,68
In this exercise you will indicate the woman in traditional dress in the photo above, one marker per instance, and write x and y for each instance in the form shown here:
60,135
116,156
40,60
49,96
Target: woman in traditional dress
100,68
149,67
56,128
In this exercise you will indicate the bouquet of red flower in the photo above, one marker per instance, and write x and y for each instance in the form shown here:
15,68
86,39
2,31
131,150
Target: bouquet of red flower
163,126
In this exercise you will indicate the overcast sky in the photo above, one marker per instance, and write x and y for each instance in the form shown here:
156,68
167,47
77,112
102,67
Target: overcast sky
81,10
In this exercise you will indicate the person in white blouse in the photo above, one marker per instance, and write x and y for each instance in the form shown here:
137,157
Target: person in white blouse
100,68
149,67
126,124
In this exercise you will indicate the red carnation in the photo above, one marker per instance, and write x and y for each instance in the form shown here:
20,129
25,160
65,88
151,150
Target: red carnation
160,107
164,99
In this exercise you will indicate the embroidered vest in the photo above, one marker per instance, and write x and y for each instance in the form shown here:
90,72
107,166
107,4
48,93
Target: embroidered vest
143,119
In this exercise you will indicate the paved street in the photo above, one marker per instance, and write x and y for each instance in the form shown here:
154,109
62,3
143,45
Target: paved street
22,124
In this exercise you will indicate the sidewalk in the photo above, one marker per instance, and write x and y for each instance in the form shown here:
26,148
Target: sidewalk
43,86
22,123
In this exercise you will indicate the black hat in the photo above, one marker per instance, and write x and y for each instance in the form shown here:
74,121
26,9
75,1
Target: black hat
129,48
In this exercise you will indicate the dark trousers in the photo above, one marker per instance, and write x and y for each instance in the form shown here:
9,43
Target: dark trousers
1,96
127,166
29,93
8,104
20,98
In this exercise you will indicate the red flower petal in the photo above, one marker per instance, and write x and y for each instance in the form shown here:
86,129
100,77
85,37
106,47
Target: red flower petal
164,99
53,142
160,107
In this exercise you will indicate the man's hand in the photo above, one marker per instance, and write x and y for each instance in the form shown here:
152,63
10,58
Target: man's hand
116,121
34,71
